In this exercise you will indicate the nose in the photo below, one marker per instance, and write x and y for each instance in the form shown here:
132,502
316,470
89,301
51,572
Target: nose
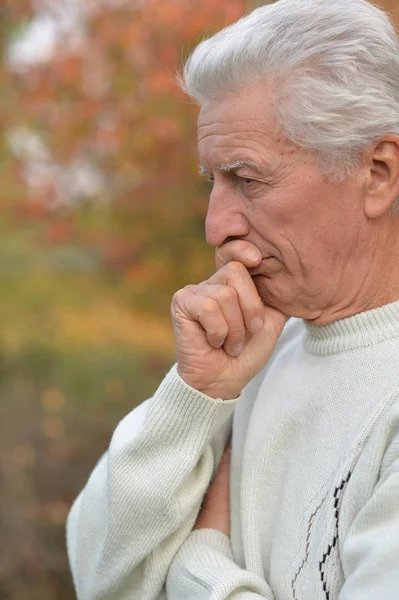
225,218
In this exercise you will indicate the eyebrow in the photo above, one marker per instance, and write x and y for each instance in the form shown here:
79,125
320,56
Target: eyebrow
234,166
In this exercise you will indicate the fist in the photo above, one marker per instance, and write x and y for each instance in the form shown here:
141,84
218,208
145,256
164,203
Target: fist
224,333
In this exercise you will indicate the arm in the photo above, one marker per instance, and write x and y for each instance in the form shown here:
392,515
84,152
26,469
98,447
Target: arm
204,567
143,497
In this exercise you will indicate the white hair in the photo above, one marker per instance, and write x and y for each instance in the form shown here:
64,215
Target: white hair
336,65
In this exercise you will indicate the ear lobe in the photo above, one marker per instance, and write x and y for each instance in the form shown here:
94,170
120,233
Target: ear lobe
383,182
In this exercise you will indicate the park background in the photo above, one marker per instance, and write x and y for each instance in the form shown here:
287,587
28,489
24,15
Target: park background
101,220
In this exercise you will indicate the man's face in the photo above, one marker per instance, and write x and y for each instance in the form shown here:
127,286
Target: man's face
266,190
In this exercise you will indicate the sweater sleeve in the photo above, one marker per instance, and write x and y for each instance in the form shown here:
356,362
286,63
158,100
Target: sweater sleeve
143,497
370,553
204,569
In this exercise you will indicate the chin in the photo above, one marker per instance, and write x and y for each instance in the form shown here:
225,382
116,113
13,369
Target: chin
269,297
272,295
285,301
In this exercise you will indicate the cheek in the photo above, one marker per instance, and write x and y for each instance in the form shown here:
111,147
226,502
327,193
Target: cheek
308,221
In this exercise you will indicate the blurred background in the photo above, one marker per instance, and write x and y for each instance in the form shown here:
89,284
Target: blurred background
101,221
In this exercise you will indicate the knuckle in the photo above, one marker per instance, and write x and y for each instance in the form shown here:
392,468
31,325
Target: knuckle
189,289
208,306
218,332
177,298
227,293
182,293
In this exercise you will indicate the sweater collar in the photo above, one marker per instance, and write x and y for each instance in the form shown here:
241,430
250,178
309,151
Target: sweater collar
363,329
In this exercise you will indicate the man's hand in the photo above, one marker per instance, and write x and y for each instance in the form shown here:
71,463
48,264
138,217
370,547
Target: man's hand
215,511
224,333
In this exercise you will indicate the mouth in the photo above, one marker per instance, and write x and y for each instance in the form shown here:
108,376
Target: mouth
267,265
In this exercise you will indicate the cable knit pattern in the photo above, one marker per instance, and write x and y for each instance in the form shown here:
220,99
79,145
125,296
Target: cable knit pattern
314,480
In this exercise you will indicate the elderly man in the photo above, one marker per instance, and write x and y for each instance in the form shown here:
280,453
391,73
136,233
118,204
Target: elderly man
299,134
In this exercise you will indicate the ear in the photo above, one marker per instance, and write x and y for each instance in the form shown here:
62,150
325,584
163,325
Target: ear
382,188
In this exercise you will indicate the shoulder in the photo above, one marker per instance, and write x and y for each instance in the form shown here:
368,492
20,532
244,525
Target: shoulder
389,435
379,454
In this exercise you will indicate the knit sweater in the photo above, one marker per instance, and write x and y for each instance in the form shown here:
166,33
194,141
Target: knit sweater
314,483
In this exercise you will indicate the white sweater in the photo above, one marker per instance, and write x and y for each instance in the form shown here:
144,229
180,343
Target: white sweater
314,480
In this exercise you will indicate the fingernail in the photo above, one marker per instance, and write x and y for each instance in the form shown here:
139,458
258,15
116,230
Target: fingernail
256,325
236,350
252,255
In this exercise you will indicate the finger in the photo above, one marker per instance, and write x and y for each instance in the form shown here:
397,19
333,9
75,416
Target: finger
206,311
227,299
235,275
238,250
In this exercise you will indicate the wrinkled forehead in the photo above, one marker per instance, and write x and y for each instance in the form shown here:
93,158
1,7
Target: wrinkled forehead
241,125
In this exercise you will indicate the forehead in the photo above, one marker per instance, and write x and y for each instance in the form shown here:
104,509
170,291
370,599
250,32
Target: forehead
242,124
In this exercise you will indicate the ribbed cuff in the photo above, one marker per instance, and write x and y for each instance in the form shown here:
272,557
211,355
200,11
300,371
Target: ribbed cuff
178,410
204,568
213,538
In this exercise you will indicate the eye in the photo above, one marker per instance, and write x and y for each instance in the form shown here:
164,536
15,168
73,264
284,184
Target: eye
248,186
246,181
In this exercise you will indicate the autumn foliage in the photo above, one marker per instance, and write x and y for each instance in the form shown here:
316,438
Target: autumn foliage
107,103
101,220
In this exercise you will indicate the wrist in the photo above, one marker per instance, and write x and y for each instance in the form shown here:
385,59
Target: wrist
217,392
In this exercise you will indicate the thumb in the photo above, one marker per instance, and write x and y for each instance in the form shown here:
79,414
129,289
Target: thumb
261,345
240,251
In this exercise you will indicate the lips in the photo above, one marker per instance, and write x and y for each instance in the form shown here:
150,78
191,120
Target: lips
267,265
